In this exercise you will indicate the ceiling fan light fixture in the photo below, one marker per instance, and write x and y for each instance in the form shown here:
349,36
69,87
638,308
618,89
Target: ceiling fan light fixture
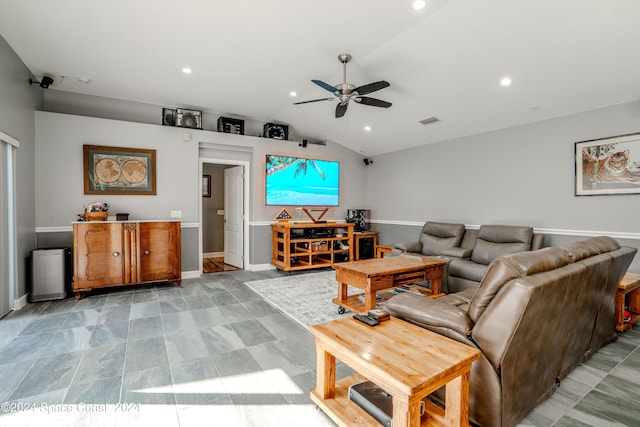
345,92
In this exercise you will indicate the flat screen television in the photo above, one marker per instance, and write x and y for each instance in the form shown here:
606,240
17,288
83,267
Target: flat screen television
295,181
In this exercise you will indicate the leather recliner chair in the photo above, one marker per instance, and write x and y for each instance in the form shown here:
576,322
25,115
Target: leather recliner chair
468,252
535,316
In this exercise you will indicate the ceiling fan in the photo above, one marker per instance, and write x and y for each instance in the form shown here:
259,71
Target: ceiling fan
346,92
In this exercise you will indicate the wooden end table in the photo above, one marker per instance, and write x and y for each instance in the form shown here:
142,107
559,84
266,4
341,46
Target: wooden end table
630,285
373,275
406,361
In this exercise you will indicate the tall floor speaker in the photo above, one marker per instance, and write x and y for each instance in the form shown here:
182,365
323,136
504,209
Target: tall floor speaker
359,217
366,248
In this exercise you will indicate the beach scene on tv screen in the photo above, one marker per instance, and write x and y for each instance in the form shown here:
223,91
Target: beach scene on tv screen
292,181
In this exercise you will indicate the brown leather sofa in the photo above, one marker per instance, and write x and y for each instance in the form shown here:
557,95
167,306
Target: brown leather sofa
468,252
535,316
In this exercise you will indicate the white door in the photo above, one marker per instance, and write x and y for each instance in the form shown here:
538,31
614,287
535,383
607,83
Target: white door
234,216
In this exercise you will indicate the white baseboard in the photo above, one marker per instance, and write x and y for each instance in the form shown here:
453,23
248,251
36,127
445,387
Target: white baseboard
190,274
260,267
20,302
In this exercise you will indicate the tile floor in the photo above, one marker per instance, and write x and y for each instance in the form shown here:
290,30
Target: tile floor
214,352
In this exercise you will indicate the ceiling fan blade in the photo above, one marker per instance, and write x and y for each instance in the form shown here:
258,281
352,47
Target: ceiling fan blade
325,86
372,101
372,87
341,108
313,100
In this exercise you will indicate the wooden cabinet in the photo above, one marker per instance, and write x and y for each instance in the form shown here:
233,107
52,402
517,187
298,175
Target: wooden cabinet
304,245
159,251
122,253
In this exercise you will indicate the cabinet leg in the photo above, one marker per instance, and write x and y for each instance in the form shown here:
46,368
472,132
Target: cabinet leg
76,295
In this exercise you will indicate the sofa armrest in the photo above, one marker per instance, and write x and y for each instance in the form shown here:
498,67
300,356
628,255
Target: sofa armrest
457,252
403,247
431,314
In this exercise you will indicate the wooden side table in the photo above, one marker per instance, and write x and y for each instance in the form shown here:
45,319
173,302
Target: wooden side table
406,361
359,235
630,285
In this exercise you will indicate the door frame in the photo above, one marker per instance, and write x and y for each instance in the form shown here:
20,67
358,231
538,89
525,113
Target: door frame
246,180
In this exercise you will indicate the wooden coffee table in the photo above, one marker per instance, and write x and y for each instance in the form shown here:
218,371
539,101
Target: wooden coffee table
406,361
373,275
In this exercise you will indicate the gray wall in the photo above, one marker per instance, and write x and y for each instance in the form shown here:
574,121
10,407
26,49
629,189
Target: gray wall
59,168
521,175
60,196
18,100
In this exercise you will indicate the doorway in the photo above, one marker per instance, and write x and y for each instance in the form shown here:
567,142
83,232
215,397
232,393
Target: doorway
223,230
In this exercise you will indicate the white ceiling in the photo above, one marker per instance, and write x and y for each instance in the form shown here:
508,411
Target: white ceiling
564,56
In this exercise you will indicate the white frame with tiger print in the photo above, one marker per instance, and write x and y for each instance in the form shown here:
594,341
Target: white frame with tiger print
608,166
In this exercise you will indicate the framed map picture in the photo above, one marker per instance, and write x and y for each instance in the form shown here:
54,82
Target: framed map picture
119,170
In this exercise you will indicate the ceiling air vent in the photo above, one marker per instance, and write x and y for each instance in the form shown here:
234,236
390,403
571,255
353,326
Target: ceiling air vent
429,120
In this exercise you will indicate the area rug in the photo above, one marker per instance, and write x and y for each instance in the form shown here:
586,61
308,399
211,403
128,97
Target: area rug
306,298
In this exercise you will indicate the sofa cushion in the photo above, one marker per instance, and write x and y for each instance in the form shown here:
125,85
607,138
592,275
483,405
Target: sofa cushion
437,316
497,240
468,269
509,267
437,236
459,299
590,247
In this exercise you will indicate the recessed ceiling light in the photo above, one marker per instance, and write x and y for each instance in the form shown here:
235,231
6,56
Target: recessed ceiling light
419,4
293,93
84,79
367,128
186,70
506,81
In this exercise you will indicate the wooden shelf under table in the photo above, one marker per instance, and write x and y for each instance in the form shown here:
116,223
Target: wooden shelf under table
345,412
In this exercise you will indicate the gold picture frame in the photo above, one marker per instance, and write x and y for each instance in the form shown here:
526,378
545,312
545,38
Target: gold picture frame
119,170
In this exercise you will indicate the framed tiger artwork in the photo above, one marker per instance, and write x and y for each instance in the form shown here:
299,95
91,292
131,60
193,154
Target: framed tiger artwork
608,166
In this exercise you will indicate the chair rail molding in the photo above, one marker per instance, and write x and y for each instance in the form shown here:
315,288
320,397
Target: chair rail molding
550,231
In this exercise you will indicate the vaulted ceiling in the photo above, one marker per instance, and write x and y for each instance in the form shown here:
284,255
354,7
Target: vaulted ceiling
446,60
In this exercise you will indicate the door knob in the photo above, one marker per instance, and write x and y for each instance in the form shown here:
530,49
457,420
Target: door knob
146,252
116,254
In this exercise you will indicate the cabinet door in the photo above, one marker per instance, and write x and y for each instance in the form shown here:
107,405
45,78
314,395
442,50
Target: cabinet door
98,257
159,251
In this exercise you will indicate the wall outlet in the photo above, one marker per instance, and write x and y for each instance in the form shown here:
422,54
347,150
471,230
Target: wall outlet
176,214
